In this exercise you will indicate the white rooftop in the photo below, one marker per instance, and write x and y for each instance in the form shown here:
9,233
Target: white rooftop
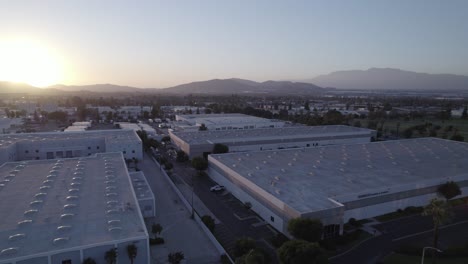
220,119
51,205
141,186
246,135
305,178
113,134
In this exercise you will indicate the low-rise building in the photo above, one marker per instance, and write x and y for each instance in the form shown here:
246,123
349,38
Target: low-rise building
51,145
340,182
68,210
225,122
200,142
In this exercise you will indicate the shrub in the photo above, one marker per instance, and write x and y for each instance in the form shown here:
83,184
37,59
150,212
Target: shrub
243,246
225,259
209,222
175,258
156,241
278,240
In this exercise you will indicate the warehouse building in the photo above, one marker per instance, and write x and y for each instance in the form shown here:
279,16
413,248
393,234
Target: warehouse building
336,183
198,143
224,122
65,211
51,145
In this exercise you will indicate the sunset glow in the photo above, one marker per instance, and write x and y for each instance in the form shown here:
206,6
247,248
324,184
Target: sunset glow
27,61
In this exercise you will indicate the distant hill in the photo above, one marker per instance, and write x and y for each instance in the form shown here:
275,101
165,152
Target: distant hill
240,86
10,87
98,88
391,79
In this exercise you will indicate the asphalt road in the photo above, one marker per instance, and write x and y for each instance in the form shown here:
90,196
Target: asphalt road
414,230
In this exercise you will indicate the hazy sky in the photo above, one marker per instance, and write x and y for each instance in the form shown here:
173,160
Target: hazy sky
163,43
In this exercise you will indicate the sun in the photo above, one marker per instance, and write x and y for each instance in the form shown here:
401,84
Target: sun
29,62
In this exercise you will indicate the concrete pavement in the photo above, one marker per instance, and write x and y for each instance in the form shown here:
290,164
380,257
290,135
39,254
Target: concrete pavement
180,232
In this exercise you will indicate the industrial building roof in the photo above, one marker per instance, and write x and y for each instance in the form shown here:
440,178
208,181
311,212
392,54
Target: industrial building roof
246,135
306,178
52,205
141,186
113,134
220,119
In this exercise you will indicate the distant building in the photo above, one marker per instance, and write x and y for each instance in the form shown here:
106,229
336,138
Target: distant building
197,143
340,182
224,122
64,211
52,145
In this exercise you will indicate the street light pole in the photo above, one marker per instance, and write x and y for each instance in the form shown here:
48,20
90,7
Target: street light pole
424,249
193,214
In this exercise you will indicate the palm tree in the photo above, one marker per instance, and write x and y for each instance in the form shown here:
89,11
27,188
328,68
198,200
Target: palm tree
440,212
111,256
89,261
132,252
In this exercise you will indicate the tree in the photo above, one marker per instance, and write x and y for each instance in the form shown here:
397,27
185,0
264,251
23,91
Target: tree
440,212
156,229
89,261
58,116
464,114
449,190
199,163
254,256
243,246
306,106
202,127
111,256
132,252
175,258
181,156
301,252
220,148
306,229
209,222
166,139
458,137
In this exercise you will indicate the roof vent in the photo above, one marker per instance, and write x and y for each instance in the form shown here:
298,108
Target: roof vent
30,212
9,251
72,197
69,206
40,194
113,222
25,222
42,188
77,178
66,216
64,228
60,240
111,202
112,211
75,184
111,194
16,236
36,202
115,229
73,190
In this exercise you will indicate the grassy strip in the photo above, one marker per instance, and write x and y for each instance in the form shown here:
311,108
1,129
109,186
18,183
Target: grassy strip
400,213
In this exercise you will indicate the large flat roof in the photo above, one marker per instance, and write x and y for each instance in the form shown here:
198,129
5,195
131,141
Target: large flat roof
220,119
246,135
51,205
112,134
306,178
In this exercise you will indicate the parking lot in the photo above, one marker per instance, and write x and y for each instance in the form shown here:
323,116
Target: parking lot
234,220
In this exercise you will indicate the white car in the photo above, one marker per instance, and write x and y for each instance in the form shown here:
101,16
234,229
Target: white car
217,188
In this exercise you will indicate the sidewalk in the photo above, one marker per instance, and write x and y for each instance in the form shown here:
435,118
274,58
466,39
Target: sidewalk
180,232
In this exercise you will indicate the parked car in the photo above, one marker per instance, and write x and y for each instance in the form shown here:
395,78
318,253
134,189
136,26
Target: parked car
217,188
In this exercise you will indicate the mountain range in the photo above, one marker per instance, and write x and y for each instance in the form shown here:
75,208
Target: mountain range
371,79
391,79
